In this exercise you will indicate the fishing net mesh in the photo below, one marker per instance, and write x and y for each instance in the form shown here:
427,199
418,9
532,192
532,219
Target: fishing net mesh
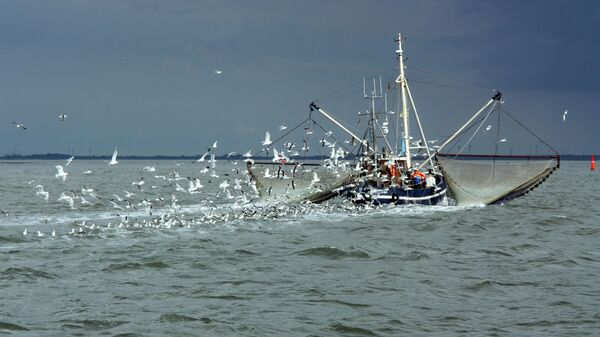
476,180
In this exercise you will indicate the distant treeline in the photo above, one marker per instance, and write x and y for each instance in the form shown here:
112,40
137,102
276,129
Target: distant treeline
60,156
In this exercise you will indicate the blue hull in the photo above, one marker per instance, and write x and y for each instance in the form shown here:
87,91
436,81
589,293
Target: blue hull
370,193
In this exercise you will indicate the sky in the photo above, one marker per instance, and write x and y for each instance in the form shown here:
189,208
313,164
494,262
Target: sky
140,75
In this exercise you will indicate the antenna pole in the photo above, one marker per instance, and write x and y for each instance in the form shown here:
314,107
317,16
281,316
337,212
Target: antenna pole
402,81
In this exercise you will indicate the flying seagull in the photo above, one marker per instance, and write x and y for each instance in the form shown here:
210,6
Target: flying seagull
62,117
267,140
19,126
69,160
61,173
218,72
203,157
564,115
113,160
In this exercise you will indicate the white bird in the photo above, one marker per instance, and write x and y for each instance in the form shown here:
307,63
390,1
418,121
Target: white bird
214,146
69,160
267,140
61,173
62,117
84,200
564,115
488,128
19,125
212,160
501,140
197,184
87,172
214,174
248,154
282,127
218,72
25,232
276,157
40,192
203,157
53,233
66,198
204,170
113,160
315,178
192,187
89,191
149,168
237,185
139,183
224,185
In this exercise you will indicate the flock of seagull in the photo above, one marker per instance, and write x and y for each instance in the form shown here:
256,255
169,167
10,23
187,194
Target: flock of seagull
155,201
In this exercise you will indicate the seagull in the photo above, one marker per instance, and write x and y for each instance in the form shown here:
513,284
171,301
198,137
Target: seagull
40,192
25,232
212,161
214,146
248,154
61,173
69,160
282,127
62,117
224,185
113,160
87,172
267,140
203,157
315,178
19,126
67,199
488,128
501,140
564,115
218,72
204,170
138,184
149,168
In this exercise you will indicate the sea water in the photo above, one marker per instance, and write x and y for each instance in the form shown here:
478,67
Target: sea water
530,267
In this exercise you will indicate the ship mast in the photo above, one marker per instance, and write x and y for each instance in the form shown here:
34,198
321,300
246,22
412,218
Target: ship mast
402,81
373,114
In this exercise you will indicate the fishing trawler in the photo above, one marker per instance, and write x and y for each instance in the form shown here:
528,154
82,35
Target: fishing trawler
382,166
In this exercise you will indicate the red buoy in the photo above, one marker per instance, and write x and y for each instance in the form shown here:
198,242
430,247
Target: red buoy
593,163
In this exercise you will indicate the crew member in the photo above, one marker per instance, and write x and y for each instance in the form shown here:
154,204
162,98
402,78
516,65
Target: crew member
417,177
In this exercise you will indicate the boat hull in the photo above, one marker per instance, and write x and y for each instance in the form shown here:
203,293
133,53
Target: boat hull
367,193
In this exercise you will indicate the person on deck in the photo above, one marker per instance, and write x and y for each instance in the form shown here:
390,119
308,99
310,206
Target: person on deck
417,177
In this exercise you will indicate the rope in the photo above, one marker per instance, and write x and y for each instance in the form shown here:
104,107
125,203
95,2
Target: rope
528,130
284,135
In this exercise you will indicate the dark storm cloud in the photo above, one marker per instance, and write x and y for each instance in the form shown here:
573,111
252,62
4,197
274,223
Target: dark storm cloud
141,72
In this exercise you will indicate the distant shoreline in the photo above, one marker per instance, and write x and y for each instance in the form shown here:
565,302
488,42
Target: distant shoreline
60,156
